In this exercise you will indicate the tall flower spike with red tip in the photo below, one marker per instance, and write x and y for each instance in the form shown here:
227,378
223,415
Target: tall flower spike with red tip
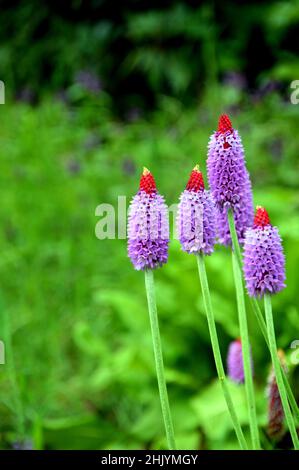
148,238
148,229
196,217
264,263
229,180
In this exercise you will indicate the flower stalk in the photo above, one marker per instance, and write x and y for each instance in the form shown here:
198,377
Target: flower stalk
244,333
148,238
197,234
260,319
246,353
277,370
216,351
152,309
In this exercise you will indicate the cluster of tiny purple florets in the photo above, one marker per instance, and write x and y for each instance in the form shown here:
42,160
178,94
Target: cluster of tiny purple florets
148,231
196,217
229,182
264,263
196,222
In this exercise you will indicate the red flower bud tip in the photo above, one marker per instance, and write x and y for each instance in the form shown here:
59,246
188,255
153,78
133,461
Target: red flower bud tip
224,124
261,218
195,182
147,182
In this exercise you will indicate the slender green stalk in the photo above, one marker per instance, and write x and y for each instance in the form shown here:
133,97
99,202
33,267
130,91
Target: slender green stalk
263,327
277,370
290,395
152,308
260,319
246,353
216,350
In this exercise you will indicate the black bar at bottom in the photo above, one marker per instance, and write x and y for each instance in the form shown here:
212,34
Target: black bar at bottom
135,459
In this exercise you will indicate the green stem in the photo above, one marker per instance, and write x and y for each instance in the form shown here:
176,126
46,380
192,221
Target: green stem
216,350
260,319
257,311
290,394
246,353
152,308
277,370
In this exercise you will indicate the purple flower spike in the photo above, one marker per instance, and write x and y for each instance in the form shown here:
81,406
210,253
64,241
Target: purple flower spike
235,367
264,263
196,217
148,229
229,181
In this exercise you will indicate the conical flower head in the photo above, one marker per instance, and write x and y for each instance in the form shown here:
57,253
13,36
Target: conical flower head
229,180
275,408
264,262
196,217
148,228
235,368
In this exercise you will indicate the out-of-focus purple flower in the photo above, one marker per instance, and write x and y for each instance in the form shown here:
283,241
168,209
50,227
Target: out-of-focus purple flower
196,217
23,445
229,181
235,79
276,149
73,166
62,96
235,367
92,141
89,81
148,228
133,114
275,408
266,88
27,95
128,166
264,262
10,231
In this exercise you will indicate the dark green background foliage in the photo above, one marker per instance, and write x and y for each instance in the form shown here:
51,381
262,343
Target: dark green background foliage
135,50
83,372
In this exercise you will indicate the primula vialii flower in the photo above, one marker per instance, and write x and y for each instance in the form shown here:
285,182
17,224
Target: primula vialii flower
264,262
148,228
229,180
196,217
275,408
235,367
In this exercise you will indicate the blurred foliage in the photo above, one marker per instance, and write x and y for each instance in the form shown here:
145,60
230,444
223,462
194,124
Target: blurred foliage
81,340
94,91
134,51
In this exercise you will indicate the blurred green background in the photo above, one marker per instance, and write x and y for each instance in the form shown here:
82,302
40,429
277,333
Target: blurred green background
94,91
